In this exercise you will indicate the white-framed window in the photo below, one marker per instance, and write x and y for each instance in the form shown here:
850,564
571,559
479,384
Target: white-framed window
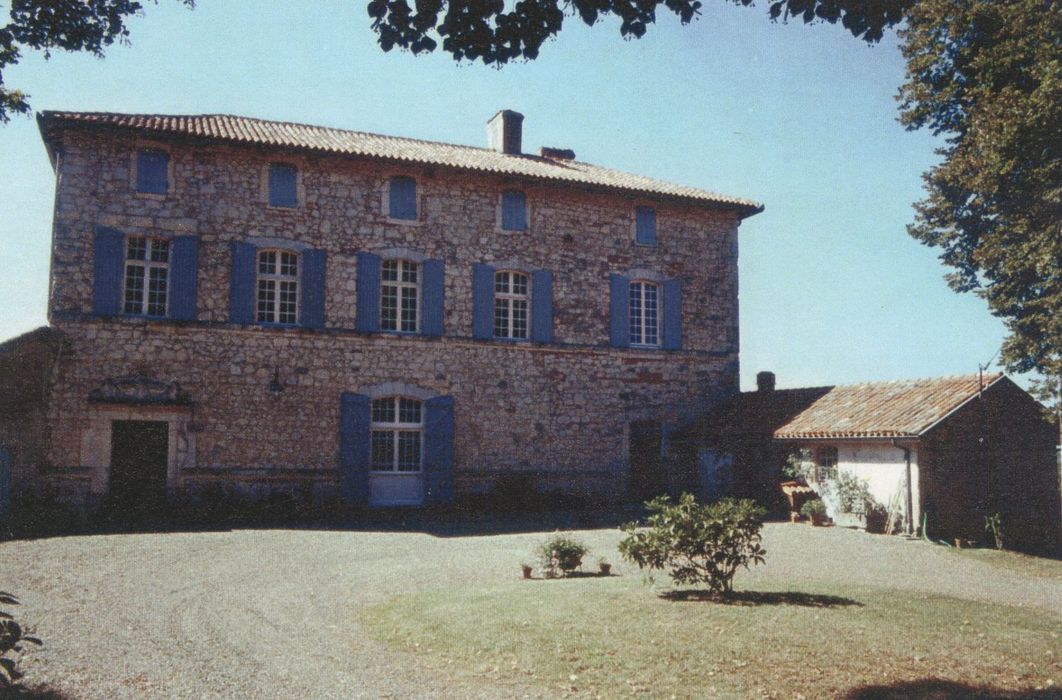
511,303
397,434
644,313
147,276
400,296
277,298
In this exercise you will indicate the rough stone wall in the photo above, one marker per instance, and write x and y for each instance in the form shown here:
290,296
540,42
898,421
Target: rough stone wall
561,409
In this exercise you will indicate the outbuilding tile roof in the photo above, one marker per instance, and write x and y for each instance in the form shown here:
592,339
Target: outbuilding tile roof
247,130
905,408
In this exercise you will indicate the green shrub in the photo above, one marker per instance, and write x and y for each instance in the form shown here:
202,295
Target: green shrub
697,543
853,494
813,507
561,553
12,639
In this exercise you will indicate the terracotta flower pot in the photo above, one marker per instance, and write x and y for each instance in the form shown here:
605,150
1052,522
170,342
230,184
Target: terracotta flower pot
818,519
605,569
527,571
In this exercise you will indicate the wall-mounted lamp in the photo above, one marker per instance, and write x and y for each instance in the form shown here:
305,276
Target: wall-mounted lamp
276,386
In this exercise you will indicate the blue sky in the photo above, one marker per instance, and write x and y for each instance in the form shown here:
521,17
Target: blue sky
803,119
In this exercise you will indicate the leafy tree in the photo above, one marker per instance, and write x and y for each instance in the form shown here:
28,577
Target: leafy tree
489,32
987,76
697,543
69,25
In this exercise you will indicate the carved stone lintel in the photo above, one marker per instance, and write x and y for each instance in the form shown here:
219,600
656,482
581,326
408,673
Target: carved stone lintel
139,390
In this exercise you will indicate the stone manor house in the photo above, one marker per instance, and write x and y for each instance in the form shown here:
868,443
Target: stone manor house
257,307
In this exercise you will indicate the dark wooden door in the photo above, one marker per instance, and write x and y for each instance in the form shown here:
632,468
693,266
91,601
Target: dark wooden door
646,477
139,451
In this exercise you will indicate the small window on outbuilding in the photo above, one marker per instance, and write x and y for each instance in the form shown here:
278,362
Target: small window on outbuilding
402,198
825,463
152,171
282,185
645,225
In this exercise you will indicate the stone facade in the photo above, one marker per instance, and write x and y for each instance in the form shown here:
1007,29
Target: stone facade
556,412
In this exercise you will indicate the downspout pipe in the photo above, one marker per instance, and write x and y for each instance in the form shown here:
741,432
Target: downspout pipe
910,496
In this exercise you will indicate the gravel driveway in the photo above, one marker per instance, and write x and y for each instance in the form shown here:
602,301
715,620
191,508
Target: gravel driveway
272,613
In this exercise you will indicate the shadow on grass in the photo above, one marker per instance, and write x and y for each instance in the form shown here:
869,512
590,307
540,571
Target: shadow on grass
934,689
38,693
467,518
754,598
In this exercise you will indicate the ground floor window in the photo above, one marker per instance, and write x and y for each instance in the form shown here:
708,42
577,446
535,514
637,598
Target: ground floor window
397,434
825,463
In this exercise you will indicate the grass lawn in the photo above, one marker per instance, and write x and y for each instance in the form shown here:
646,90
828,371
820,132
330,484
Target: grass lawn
1024,564
617,636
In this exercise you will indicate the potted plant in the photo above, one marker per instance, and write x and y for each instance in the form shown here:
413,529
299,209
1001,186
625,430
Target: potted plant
560,555
604,566
527,569
815,511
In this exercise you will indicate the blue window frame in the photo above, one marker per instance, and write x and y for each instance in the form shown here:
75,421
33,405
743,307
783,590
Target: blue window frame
645,225
282,188
514,210
402,198
152,171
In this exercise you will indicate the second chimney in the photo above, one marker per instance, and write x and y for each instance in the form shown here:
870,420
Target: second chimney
505,132
765,381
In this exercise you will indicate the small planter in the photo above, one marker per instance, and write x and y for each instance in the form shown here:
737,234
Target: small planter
527,570
605,568
817,519
795,517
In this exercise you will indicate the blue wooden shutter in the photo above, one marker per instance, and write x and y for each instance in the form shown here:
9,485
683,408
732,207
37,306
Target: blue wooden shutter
152,172
482,301
514,210
313,288
645,225
672,315
242,283
355,415
542,306
184,277
434,293
368,290
402,197
108,271
439,450
282,191
619,311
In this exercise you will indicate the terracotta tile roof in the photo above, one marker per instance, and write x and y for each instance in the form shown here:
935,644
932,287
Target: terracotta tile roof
246,130
905,408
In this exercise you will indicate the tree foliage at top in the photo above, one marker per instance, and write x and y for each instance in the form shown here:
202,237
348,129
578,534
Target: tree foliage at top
986,75
68,25
485,30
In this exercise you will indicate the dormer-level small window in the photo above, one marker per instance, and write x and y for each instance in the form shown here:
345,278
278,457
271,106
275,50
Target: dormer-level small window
152,171
645,225
402,198
282,185
513,210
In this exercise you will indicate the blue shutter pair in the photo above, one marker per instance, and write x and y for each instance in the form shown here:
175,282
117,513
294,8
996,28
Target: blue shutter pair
619,313
432,287
243,287
282,189
355,418
645,225
402,198
514,210
483,303
109,272
152,172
